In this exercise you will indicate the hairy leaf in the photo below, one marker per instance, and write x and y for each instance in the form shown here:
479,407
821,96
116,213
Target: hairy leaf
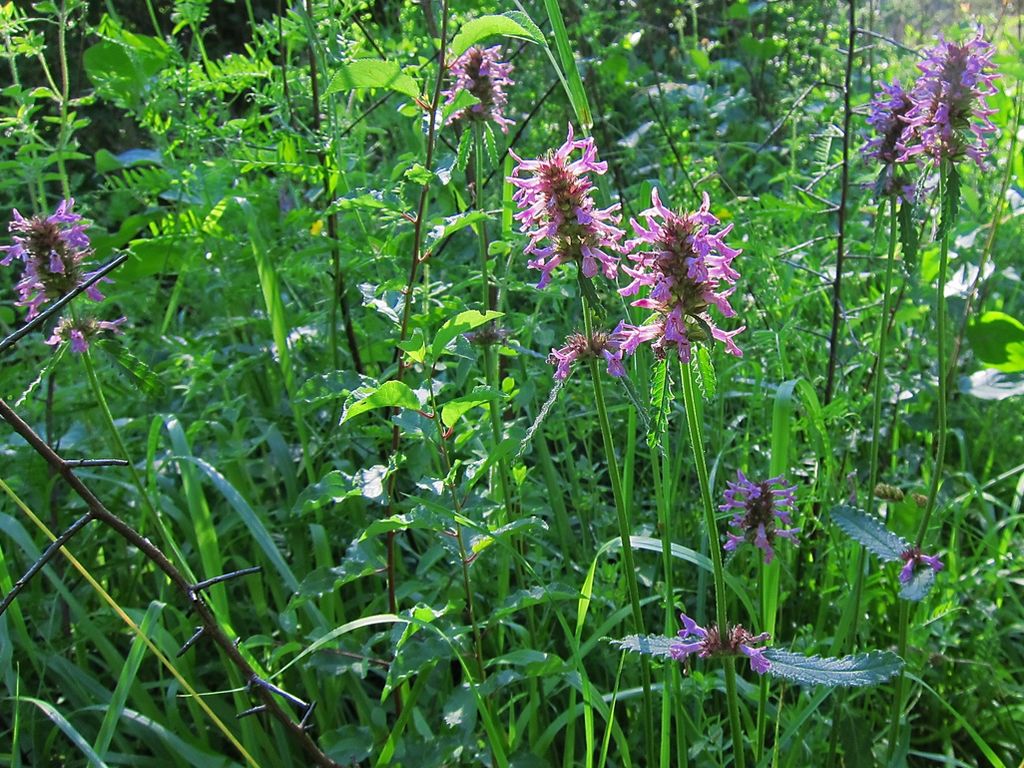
871,532
851,671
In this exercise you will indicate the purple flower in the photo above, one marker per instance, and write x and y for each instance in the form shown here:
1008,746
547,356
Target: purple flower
759,510
52,249
556,205
709,642
579,347
914,557
78,332
683,271
480,72
888,110
950,116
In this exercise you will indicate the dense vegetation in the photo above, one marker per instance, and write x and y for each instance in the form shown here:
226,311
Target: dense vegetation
339,483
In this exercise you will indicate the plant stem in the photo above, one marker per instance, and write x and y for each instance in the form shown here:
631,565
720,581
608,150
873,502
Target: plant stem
714,550
940,333
629,565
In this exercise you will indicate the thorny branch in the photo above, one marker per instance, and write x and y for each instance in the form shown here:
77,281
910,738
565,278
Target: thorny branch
266,692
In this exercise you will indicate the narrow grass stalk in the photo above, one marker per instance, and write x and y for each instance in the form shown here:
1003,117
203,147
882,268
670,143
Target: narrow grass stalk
622,515
715,551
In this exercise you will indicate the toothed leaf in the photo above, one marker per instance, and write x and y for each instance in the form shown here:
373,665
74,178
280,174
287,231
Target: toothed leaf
652,645
919,585
851,671
871,532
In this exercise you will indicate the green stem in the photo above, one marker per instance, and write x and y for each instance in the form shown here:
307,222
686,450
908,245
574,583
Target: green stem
714,550
940,322
628,562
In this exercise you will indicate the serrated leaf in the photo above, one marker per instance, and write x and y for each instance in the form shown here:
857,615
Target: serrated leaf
849,671
706,378
919,586
465,147
372,73
490,146
908,234
660,389
651,645
871,532
139,374
390,394
461,323
506,24
997,340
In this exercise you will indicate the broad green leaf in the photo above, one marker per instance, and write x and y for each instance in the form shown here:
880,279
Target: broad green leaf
462,100
997,340
390,394
660,399
850,671
508,25
372,73
871,532
455,409
706,378
461,323
449,225
336,486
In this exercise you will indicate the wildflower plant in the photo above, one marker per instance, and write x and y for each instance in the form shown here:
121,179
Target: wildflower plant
759,509
579,346
557,211
481,73
53,250
694,639
686,268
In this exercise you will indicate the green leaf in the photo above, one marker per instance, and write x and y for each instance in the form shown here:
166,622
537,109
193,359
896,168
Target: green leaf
372,73
449,225
465,148
138,373
336,486
513,24
997,340
455,409
568,72
462,100
908,234
390,394
461,323
652,645
706,378
871,532
851,671
950,200
660,398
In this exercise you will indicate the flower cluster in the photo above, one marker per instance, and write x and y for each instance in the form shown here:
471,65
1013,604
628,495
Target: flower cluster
480,72
579,347
556,205
914,557
888,110
950,116
711,642
53,250
759,509
684,269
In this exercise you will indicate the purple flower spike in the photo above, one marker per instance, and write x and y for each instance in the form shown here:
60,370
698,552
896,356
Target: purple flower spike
481,72
892,139
709,642
914,557
759,509
52,249
81,331
950,114
579,347
683,270
555,204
